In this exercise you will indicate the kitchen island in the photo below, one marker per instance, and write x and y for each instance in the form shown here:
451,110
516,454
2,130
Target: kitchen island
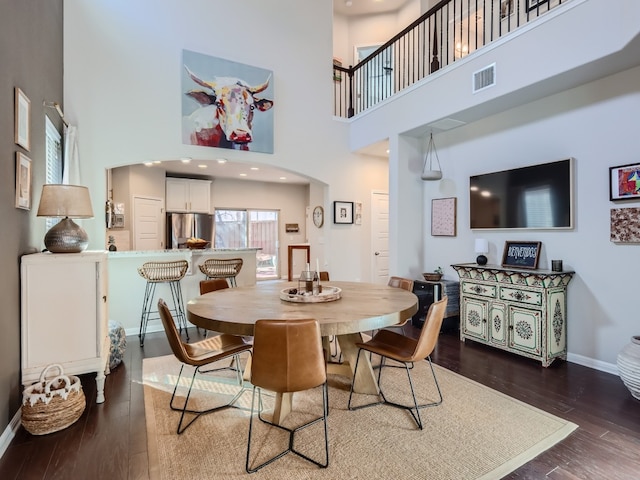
126,286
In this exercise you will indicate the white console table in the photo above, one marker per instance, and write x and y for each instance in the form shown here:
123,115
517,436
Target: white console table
521,311
64,315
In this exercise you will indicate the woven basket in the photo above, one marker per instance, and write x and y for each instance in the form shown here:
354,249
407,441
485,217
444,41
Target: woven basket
52,405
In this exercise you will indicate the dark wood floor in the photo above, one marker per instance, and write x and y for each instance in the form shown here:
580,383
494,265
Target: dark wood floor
109,440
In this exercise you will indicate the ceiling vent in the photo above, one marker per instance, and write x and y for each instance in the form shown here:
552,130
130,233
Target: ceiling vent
484,78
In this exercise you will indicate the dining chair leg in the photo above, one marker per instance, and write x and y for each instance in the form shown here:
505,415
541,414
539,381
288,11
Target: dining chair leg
196,413
415,406
292,432
355,372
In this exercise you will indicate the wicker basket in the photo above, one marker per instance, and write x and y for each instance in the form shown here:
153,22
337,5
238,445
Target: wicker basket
52,405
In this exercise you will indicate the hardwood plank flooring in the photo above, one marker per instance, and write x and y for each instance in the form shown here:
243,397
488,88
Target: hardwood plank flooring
109,441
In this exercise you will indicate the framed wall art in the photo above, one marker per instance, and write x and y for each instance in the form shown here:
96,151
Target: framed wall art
624,182
625,225
23,181
521,254
358,214
443,217
342,212
22,120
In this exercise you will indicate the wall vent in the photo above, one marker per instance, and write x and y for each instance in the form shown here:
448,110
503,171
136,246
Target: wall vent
484,78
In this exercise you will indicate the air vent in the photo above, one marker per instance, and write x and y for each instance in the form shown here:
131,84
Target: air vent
484,78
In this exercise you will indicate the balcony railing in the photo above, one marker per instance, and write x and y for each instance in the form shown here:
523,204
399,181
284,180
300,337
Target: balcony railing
445,34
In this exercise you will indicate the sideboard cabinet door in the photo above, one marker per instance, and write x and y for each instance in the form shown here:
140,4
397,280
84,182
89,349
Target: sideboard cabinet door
64,315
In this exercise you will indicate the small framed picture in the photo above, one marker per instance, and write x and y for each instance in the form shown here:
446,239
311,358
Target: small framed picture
521,254
342,212
23,181
22,119
624,182
443,217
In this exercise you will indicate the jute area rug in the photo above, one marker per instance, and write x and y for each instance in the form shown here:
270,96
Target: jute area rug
476,433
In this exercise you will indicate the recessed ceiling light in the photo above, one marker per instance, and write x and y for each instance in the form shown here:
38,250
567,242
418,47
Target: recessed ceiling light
243,174
221,160
185,160
202,165
283,178
148,164
157,161
485,193
255,168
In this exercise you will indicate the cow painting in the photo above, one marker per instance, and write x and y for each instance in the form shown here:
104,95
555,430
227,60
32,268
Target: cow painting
225,116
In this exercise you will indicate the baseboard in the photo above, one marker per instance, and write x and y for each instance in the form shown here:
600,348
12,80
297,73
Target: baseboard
9,432
592,363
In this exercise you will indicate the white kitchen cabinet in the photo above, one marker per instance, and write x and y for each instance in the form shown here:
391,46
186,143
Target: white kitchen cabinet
521,311
64,317
188,195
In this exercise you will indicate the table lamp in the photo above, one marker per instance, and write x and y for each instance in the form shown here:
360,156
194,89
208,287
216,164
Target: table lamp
66,202
482,247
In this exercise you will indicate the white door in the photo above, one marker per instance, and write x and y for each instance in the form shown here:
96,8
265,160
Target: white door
380,237
374,81
147,224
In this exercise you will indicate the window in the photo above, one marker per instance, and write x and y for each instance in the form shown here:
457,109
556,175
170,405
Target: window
250,229
53,153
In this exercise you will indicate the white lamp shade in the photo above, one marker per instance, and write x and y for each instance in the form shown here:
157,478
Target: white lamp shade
482,245
61,201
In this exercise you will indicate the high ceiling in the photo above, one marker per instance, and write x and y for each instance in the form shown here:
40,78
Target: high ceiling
367,7
263,173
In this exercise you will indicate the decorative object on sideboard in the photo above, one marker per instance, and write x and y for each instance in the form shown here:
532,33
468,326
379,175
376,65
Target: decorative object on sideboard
521,254
629,366
434,276
556,265
66,202
481,247
431,170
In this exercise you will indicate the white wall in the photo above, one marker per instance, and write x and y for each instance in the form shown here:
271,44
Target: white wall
350,32
127,103
595,125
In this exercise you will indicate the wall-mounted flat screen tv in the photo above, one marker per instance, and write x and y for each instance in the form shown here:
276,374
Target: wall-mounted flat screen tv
534,197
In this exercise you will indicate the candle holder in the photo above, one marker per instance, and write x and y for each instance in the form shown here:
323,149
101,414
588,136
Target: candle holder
309,282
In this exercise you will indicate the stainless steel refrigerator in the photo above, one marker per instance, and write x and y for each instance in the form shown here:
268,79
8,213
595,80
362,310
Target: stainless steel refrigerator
181,226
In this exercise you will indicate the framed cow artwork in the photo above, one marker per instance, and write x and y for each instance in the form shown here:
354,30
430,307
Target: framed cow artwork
226,104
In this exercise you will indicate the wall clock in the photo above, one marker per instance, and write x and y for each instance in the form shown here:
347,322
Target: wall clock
318,216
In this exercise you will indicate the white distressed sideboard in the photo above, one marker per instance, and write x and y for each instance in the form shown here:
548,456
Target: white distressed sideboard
64,315
521,311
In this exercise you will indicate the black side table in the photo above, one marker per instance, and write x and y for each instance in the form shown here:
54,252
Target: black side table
429,292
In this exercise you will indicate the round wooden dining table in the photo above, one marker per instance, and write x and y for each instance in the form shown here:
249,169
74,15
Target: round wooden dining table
361,307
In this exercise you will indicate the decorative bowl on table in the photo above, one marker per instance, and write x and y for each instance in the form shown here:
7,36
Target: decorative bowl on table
197,244
328,294
432,276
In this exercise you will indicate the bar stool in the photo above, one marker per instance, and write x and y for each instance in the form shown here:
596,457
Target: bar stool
222,268
163,272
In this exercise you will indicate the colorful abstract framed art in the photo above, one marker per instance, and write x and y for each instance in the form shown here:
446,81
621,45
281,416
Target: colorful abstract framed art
624,182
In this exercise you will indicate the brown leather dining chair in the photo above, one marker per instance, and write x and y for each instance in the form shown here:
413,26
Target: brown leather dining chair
405,284
199,355
211,285
288,357
395,346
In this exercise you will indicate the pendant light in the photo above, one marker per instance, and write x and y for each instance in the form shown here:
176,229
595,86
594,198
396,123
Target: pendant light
431,170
